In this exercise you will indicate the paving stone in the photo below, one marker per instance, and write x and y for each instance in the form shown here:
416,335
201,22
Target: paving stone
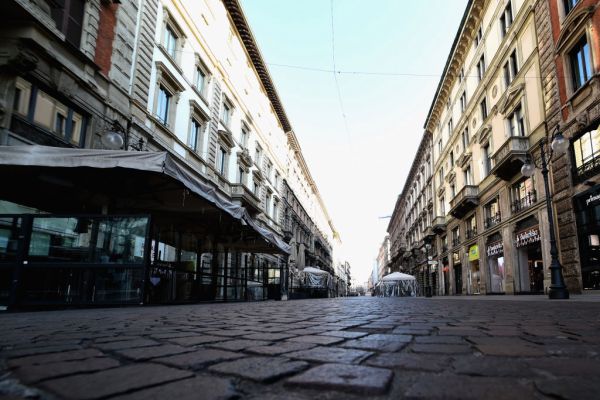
113,381
491,366
316,339
239,344
344,377
35,373
126,344
403,330
574,388
440,339
441,348
379,342
173,335
345,334
268,336
462,387
565,366
54,357
196,340
280,348
227,332
331,354
261,369
198,358
30,351
200,387
145,353
420,362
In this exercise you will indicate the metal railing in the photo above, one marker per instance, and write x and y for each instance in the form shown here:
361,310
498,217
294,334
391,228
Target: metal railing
514,144
524,202
492,220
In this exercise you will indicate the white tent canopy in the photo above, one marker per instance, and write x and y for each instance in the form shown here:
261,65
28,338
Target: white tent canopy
398,276
314,270
397,284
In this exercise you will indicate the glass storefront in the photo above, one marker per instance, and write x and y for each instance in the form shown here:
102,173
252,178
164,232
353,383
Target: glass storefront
474,274
446,275
587,208
529,255
495,261
457,273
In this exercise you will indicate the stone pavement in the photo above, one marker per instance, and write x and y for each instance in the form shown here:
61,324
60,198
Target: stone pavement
349,348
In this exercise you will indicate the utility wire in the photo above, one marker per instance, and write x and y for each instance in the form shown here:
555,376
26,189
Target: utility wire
337,85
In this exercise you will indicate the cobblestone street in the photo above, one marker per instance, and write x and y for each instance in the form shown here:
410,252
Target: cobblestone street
349,348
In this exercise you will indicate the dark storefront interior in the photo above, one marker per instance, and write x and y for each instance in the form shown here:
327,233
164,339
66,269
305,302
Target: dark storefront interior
587,207
83,236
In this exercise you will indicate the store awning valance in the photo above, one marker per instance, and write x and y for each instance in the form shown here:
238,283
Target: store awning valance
91,168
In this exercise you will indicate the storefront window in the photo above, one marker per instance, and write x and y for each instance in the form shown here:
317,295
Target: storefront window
495,258
587,207
492,214
118,240
529,254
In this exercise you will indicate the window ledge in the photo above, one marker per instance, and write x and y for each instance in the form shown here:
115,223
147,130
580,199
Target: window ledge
584,93
174,63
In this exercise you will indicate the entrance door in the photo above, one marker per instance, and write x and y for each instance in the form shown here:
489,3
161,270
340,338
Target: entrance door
458,278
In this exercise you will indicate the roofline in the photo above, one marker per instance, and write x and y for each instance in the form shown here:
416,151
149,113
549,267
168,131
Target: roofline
448,61
240,22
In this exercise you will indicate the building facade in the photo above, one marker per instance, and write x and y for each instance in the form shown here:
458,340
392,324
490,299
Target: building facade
492,109
103,80
570,48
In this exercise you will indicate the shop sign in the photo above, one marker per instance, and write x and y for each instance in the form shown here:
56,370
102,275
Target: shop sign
456,258
528,236
474,253
592,199
495,249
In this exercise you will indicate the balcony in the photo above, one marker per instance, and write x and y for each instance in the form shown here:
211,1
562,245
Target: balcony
241,194
588,169
439,224
428,234
524,202
471,233
510,157
456,241
492,221
464,201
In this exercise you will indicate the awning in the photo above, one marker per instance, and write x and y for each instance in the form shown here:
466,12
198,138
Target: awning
145,165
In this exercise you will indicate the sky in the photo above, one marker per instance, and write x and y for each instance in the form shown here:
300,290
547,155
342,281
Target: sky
359,141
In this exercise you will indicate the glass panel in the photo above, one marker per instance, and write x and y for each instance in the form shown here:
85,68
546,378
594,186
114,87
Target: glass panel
117,240
9,233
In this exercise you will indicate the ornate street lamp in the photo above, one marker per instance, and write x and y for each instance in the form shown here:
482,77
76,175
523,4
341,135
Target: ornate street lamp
117,138
559,146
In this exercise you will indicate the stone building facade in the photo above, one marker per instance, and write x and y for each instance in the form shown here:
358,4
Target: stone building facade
148,79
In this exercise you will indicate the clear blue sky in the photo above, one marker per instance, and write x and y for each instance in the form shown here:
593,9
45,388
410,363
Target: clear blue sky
360,170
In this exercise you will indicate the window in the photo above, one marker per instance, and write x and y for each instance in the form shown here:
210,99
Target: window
485,158
463,102
580,63
516,123
441,176
164,102
450,127
465,139
200,81
439,146
275,209
226,112
506,19
461,75
276,183
170,42
483,109
244,134
241,175
451,159
478,37
268,203
257,154
492,213
256,189
222,161
268,169
452,190
523,195
481,68
195,134
511,68
586,150
569,5
468,176
47,112
68,16
456,236
471,230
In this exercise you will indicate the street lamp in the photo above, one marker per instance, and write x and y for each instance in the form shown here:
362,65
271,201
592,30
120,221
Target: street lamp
428,278
559,146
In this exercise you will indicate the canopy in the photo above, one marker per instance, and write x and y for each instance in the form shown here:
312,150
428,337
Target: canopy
398,276
145,165
314,270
